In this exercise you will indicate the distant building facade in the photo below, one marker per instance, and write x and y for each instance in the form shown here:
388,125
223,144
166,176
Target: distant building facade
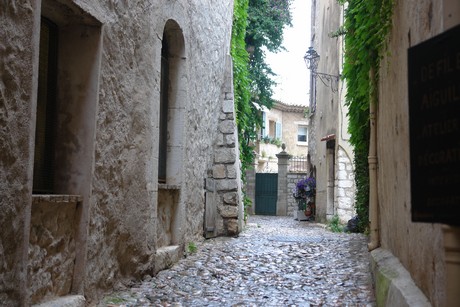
329,147
118,143
283,123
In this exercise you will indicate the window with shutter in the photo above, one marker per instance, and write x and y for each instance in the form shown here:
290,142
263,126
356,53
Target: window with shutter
279,131
264,125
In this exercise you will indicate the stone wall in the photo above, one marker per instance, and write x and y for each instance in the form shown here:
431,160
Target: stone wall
418,246
324,120
345,186
292,179
52,246
18,61
109,146
226,168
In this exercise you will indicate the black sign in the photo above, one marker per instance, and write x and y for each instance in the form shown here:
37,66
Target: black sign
434,123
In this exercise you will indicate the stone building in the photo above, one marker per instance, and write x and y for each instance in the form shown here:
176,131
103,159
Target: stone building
283,123
420,252
414,263
117,142
329,147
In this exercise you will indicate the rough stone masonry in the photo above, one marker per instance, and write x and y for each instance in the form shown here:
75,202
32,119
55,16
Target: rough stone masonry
111,59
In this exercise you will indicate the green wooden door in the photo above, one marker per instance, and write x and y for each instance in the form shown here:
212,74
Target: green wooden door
266,193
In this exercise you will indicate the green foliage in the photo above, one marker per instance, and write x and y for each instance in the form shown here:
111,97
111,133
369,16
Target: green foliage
256,24
306,112
241,88
334,224
247,205
366,28
266,21
191,248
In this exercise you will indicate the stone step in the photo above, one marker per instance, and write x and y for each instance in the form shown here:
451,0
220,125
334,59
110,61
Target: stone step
65,301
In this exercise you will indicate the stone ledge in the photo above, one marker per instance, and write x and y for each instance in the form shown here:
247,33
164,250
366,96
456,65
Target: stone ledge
51,198
164,186
393,284
65,301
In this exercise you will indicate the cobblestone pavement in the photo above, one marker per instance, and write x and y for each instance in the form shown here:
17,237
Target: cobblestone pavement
276,261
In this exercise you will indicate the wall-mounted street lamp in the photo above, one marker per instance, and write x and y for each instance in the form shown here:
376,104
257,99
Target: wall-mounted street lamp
311,59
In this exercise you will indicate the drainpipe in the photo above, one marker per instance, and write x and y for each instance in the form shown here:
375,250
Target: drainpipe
372,160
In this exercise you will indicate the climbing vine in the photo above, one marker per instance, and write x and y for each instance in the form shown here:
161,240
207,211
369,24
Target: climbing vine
241,82
256,24
366,28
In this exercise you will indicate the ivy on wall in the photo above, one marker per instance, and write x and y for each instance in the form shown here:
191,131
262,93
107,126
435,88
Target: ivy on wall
366,27
241,80
257,24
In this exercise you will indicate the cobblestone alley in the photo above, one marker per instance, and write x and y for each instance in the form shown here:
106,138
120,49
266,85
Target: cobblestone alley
276,261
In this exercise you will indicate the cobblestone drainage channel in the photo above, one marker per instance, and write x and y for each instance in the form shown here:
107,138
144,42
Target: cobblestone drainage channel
297,239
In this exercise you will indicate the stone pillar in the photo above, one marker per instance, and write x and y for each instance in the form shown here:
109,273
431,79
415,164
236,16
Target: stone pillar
283,162
251,185
226,166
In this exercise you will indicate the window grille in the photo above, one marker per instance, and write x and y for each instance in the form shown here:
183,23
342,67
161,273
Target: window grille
298,164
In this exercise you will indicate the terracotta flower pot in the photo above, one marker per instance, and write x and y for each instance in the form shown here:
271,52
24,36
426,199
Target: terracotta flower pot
309,210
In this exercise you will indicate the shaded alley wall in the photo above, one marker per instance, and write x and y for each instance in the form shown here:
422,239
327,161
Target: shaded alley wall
109,85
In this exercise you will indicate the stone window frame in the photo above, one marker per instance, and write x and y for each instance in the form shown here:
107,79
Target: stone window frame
177,88
79,50
79,56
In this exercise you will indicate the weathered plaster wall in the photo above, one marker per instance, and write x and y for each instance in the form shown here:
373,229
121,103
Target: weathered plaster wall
18,61
419,246
291,120
126,143
324,121
52,247
122,186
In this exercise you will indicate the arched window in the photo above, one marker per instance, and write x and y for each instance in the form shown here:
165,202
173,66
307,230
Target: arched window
173,93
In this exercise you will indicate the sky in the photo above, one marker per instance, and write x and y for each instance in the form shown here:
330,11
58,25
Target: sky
293,76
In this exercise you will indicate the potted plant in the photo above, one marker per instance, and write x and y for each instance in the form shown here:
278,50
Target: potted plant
304,193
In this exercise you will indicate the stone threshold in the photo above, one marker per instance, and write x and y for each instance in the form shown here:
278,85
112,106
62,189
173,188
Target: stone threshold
65,301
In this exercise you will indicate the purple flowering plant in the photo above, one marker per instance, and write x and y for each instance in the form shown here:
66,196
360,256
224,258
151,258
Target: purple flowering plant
304,189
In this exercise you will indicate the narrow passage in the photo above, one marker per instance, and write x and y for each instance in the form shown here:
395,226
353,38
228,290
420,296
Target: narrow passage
276,261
